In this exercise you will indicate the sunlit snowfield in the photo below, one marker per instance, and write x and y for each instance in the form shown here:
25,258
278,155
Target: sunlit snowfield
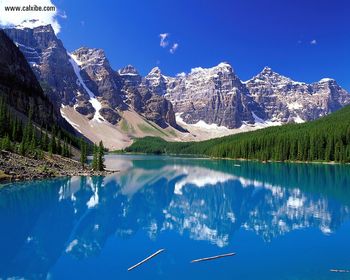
284,221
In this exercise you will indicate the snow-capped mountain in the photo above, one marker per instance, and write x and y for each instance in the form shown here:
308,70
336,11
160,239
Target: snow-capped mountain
284,100
20,89
217,96
86,89
214,95
84,83
100,78
51,64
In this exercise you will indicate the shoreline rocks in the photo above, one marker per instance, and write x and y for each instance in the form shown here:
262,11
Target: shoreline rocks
14,167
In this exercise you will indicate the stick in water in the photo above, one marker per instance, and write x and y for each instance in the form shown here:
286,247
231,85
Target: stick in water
340,270
146,259
213,258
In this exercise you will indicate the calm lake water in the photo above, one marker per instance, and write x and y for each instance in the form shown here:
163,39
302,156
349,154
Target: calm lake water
284,221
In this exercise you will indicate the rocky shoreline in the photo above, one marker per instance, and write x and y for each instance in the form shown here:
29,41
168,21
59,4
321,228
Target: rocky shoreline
14,167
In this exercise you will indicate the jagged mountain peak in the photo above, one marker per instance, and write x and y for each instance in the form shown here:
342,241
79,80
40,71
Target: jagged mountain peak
91,56
224,64
128,70
268,76
155,71
221,67
35,25
90,50
267,70
44,28
157,81
42,36
327,80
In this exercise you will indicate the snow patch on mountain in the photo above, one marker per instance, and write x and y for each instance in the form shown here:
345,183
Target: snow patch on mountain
298,119
260,123
294,105
203,124
326,80
93,100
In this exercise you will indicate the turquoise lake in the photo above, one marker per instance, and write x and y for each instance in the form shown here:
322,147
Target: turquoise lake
283,221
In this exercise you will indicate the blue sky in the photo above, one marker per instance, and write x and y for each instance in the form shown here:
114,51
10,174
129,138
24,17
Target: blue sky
304,39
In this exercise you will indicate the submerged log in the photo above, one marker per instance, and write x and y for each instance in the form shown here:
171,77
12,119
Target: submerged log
340,270
213,258
146,259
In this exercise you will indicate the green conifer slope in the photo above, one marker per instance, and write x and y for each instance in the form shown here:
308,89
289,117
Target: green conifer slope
326,139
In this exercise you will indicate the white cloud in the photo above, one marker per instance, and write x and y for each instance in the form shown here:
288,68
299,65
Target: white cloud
163,39
313,42
30,18
174,48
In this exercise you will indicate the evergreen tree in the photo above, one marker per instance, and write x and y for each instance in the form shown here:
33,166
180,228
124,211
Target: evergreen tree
70,149
326,139
100,158
45,142
52,145
83,153
6,143
59,144
3,117
95,158
22,148
32,145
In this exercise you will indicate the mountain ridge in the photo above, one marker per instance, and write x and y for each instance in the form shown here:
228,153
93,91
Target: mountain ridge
204,103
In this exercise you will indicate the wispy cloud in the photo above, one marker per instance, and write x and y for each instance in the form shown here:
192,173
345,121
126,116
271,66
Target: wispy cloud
174,48
30,18
164,39
313,42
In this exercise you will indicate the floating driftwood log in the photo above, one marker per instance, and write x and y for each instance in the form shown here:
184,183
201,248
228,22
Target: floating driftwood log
213,258
146,259
340,270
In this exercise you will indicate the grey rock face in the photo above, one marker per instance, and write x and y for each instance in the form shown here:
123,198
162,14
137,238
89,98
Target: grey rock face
285,100
20,88
215,95
156,82
100,78
54,67
49,59
145,99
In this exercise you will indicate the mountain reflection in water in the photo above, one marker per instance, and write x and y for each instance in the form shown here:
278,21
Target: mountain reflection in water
208,200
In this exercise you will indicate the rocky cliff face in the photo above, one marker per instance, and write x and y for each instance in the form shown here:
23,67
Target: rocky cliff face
51,63
100,78
145,98
285,100
85,80
217,96
20,88
214,95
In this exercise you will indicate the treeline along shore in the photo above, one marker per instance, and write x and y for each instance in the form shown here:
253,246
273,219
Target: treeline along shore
28,151
324,140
